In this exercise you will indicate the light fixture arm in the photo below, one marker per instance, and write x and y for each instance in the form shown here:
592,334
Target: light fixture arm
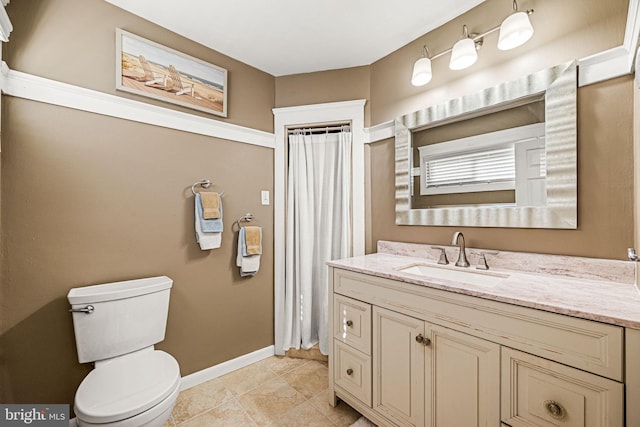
465,31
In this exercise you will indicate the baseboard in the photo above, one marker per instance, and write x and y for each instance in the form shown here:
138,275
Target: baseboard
223,368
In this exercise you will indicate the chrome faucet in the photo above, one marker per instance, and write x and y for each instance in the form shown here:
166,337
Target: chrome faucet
458,240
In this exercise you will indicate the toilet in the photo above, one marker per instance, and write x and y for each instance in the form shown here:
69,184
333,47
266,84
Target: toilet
116,326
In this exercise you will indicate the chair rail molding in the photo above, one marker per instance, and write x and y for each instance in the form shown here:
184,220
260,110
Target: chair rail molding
615,62
34,88
379,132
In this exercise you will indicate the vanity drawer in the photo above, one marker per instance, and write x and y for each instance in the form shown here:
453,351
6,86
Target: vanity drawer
352,323
352,371
540,392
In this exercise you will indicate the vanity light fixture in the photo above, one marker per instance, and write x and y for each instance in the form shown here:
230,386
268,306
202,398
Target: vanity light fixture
422,70
515,30
463,53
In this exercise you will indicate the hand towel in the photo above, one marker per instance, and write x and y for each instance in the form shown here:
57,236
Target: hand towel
253,240
250,264
209,225
205,240
210,205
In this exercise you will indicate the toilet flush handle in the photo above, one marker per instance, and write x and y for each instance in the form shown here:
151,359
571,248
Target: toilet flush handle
88,310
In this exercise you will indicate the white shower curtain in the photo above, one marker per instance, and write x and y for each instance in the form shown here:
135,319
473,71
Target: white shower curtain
318,230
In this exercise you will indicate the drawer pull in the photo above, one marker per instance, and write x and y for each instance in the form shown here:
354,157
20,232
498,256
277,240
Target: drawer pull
423,340
554,409
349,371
349,323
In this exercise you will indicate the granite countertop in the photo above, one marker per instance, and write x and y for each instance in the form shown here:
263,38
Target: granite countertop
601,290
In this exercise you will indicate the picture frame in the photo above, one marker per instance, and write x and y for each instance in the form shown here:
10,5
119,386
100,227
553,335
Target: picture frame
146,68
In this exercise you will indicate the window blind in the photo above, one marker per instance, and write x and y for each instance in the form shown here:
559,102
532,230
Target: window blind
495,165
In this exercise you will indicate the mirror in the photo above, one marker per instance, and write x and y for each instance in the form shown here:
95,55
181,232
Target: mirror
502,157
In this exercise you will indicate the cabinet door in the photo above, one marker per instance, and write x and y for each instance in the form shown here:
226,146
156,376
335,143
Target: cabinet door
462,376
398,360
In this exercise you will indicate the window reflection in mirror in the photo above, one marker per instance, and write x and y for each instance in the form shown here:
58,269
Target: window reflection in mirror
493,159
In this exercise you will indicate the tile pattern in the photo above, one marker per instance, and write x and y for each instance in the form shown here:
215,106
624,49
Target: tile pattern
275,392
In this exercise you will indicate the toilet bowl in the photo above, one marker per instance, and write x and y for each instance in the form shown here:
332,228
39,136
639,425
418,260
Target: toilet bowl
139,389
116,325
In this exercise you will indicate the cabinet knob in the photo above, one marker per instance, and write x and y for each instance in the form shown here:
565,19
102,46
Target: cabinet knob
349,371
423,340
554,409
349,322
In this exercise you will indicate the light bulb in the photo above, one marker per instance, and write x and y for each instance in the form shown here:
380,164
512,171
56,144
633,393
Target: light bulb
463,54
421,72
515,30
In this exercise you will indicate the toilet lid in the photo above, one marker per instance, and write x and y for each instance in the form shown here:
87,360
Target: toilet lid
126,386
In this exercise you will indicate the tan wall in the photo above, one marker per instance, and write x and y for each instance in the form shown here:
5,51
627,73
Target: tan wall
605,188
324,86
91,199
73,41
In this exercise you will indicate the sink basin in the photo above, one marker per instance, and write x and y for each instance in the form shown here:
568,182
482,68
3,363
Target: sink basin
455,274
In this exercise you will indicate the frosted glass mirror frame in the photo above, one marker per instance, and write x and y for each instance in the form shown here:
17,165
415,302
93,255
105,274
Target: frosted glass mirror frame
559,85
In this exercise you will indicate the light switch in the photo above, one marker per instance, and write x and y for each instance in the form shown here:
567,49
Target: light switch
265,197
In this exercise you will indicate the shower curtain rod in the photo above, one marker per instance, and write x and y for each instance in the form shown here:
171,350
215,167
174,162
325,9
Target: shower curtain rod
319,129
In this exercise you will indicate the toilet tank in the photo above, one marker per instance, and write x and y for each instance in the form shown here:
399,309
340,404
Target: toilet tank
126,316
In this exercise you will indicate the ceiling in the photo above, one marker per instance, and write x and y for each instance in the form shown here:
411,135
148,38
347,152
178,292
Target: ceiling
283,37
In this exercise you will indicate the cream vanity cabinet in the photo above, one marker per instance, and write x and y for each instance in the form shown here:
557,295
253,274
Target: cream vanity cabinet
424,374
409,355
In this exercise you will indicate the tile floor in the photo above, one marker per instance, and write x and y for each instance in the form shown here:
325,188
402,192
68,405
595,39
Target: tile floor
277,391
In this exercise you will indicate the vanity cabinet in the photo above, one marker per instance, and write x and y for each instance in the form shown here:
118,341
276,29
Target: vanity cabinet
410,355
425,374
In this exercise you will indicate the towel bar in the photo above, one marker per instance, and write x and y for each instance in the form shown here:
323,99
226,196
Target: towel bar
248,217
205,183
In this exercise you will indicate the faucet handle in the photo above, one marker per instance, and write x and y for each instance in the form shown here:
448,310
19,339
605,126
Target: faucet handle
443,255
482,262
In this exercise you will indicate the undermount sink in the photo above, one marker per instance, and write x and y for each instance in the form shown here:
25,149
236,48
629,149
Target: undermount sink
455,274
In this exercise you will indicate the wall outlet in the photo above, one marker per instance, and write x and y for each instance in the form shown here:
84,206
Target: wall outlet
264,196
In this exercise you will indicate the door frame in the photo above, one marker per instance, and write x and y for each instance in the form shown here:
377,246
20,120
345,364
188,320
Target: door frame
351,111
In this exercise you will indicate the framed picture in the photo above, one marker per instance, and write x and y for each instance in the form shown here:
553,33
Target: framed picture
150,69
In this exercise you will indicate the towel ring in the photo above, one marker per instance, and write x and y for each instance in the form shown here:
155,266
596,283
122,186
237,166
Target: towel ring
248,217
205,183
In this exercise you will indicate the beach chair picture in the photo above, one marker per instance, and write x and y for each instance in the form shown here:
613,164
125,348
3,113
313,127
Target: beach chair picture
150,78
149,69
178,85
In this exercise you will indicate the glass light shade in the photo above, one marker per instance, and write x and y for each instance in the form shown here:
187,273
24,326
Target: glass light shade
515,30
421,72
463,55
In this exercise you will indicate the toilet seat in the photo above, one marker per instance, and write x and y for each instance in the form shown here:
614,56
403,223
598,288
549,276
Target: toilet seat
126,386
